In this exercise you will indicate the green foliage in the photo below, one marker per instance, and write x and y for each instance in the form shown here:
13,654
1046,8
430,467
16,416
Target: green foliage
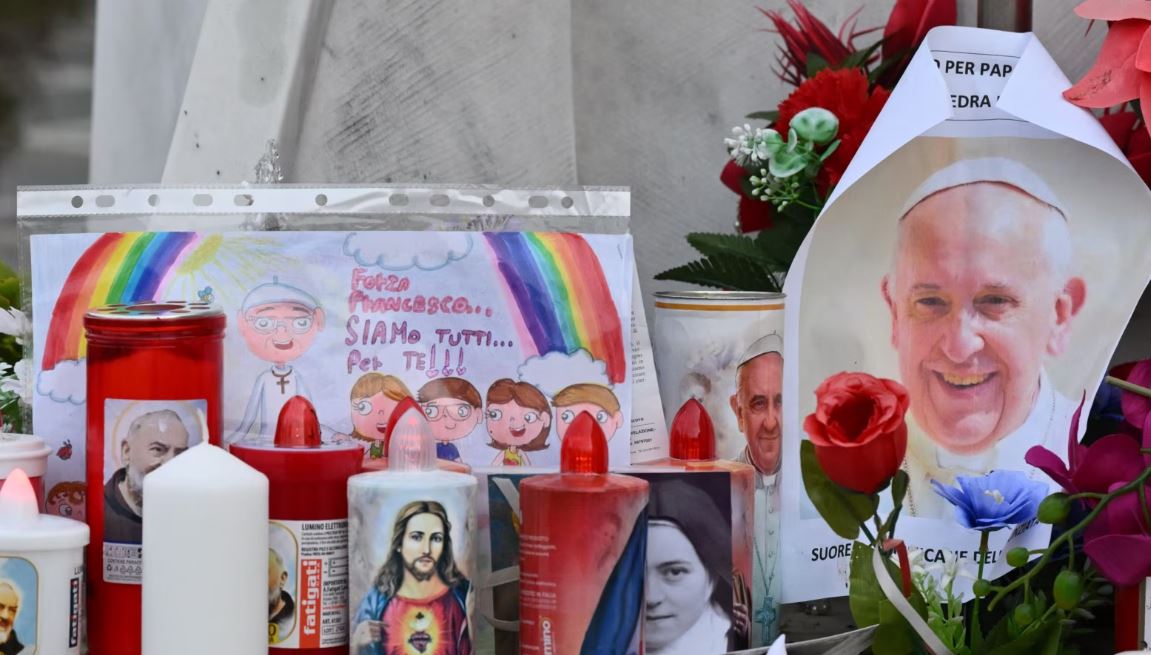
869,606
842,509
1054,508
944,612
742,262
770,116
11,417
1068,589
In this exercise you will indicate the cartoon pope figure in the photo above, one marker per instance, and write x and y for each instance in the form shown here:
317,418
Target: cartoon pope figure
278,322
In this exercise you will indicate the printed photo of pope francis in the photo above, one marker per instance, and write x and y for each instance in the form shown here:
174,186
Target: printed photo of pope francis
990,278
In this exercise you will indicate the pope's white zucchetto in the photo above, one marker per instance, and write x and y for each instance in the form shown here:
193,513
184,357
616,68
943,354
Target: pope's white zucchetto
769,343
984,169
277,292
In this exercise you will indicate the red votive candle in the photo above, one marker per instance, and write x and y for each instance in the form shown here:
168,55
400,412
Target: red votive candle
307,531
152,369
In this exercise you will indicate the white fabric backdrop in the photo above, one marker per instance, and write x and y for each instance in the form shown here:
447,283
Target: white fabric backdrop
638,93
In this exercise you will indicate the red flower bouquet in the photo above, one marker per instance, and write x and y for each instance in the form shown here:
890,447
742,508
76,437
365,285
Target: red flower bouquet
785,172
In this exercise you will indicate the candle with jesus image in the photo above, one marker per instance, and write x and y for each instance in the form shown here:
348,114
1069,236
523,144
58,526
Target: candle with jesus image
410,550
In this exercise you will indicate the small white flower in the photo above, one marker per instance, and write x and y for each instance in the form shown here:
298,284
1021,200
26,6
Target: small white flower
20,381
13,322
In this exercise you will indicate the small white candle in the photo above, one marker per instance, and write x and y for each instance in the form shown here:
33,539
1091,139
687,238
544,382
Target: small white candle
41,574
205,587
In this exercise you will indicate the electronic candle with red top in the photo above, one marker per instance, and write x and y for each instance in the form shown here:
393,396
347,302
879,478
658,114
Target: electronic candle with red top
708,503
307,531
582,552
410,550
403,407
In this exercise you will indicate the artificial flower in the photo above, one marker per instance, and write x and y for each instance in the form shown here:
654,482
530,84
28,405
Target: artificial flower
1137,408
1127,130
1118,540
14,323
19,382
809,37
858,429
845,94
1122,69
754,214
1089,469
993,501
910,21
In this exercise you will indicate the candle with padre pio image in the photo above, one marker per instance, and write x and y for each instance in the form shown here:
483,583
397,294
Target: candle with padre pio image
410,551
582,552
308,531
152,367
700,548
41,575
205,544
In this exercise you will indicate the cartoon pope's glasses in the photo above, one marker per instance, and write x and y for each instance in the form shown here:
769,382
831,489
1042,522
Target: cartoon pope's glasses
458,411
268,325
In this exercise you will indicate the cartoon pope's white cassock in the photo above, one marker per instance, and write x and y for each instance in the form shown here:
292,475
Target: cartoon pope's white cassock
278,322
980,294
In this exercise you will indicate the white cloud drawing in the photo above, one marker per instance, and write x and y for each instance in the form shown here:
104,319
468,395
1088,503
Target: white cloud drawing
66,383
432,251
552,372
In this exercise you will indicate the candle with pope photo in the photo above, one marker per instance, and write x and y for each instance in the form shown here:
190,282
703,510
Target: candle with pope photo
205,554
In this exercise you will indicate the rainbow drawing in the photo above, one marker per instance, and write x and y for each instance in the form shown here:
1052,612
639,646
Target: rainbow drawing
119,268
563,299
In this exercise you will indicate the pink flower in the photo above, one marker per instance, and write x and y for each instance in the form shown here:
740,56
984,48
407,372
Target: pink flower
1096,468
1117,540
1122,69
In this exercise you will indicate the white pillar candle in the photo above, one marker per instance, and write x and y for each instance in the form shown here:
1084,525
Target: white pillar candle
41,574
205,556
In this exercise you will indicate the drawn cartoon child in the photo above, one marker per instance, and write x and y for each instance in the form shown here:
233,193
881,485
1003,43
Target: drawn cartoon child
453,408
374,397
518,420
278,322
595,399
67,499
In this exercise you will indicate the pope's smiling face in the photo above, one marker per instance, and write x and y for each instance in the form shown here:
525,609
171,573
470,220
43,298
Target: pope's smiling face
280,332
978,295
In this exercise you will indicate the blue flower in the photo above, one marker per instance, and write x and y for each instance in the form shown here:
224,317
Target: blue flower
993,501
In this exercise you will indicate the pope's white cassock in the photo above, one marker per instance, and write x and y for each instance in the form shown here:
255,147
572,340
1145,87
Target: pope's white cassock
1046,425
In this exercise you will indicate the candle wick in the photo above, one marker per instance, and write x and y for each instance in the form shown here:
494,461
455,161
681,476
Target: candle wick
204,437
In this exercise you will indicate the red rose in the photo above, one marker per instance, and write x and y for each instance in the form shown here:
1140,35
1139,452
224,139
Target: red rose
844,93
858,430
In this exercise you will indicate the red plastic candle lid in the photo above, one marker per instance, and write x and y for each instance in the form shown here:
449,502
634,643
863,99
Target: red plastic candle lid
692,433
298,426
411,446
405,405
584,447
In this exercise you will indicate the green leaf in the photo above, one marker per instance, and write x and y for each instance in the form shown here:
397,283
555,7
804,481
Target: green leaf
1040,638
730,273
865,594
815,63
899,487
769,116
725,245
893,636
842,509
858,59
